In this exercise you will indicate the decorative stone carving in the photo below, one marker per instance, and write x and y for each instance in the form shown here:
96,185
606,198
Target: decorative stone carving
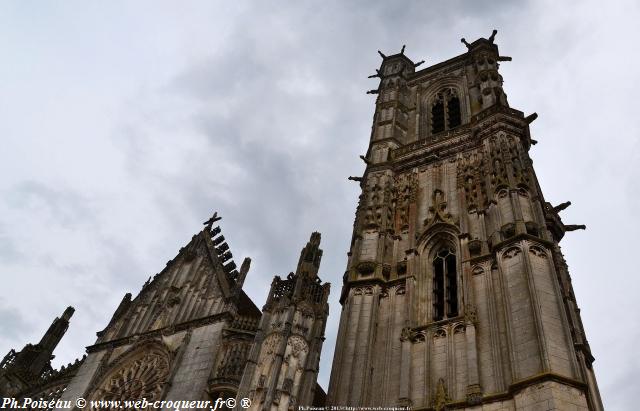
401,267
470,314
366,267
441,398
438,210
474,394
406,189
405,334
511,252
143,376
537,251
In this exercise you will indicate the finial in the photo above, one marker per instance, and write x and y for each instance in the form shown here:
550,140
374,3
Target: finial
68,313
310,257
402,50
465,43
244,269
315,238
212,220
493,35
381,54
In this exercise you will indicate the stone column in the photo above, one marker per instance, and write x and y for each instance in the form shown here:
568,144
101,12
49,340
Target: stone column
405,368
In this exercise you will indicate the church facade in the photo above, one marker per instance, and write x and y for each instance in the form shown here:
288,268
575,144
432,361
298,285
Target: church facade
193,334
456,293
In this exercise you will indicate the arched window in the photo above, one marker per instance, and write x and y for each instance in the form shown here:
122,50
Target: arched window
445,111
445,285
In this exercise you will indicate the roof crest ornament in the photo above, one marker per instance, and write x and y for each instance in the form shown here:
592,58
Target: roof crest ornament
212,220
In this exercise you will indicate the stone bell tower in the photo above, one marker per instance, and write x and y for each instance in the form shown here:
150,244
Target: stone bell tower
456,292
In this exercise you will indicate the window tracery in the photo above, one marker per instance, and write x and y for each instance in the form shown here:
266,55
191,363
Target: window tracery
445,111
143,376
445,286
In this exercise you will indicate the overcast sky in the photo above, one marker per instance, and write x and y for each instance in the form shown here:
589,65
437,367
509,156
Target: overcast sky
125,124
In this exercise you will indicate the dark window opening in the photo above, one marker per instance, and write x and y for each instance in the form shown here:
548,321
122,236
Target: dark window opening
437,115
453,105
445,285
452,286
438,290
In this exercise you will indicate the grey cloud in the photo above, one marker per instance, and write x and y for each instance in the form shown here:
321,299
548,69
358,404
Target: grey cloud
10,252
260,113
64,207
13,325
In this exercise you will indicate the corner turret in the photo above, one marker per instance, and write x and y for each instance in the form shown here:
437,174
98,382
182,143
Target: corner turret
21,370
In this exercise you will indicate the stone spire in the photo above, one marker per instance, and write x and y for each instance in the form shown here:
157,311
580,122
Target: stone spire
56,331
310,257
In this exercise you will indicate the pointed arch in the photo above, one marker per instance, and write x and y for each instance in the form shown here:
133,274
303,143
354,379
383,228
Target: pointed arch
141,372
444,105
441,283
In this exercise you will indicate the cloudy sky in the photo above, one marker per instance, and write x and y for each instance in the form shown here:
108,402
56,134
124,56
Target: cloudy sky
125,124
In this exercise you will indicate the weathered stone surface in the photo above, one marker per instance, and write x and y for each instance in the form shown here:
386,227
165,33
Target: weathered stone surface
448,172
456,293
188,336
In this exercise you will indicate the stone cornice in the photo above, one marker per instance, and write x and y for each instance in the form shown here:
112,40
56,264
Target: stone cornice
161,331
370,281
515,388
518,237
465,137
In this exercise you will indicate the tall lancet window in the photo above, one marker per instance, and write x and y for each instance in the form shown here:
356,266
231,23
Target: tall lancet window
445,286
445,111
453,106
437,116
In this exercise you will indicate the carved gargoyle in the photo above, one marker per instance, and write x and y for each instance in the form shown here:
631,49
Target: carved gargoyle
561,206
574,227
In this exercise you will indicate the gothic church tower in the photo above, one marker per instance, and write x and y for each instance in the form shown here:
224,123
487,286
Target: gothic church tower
456,294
